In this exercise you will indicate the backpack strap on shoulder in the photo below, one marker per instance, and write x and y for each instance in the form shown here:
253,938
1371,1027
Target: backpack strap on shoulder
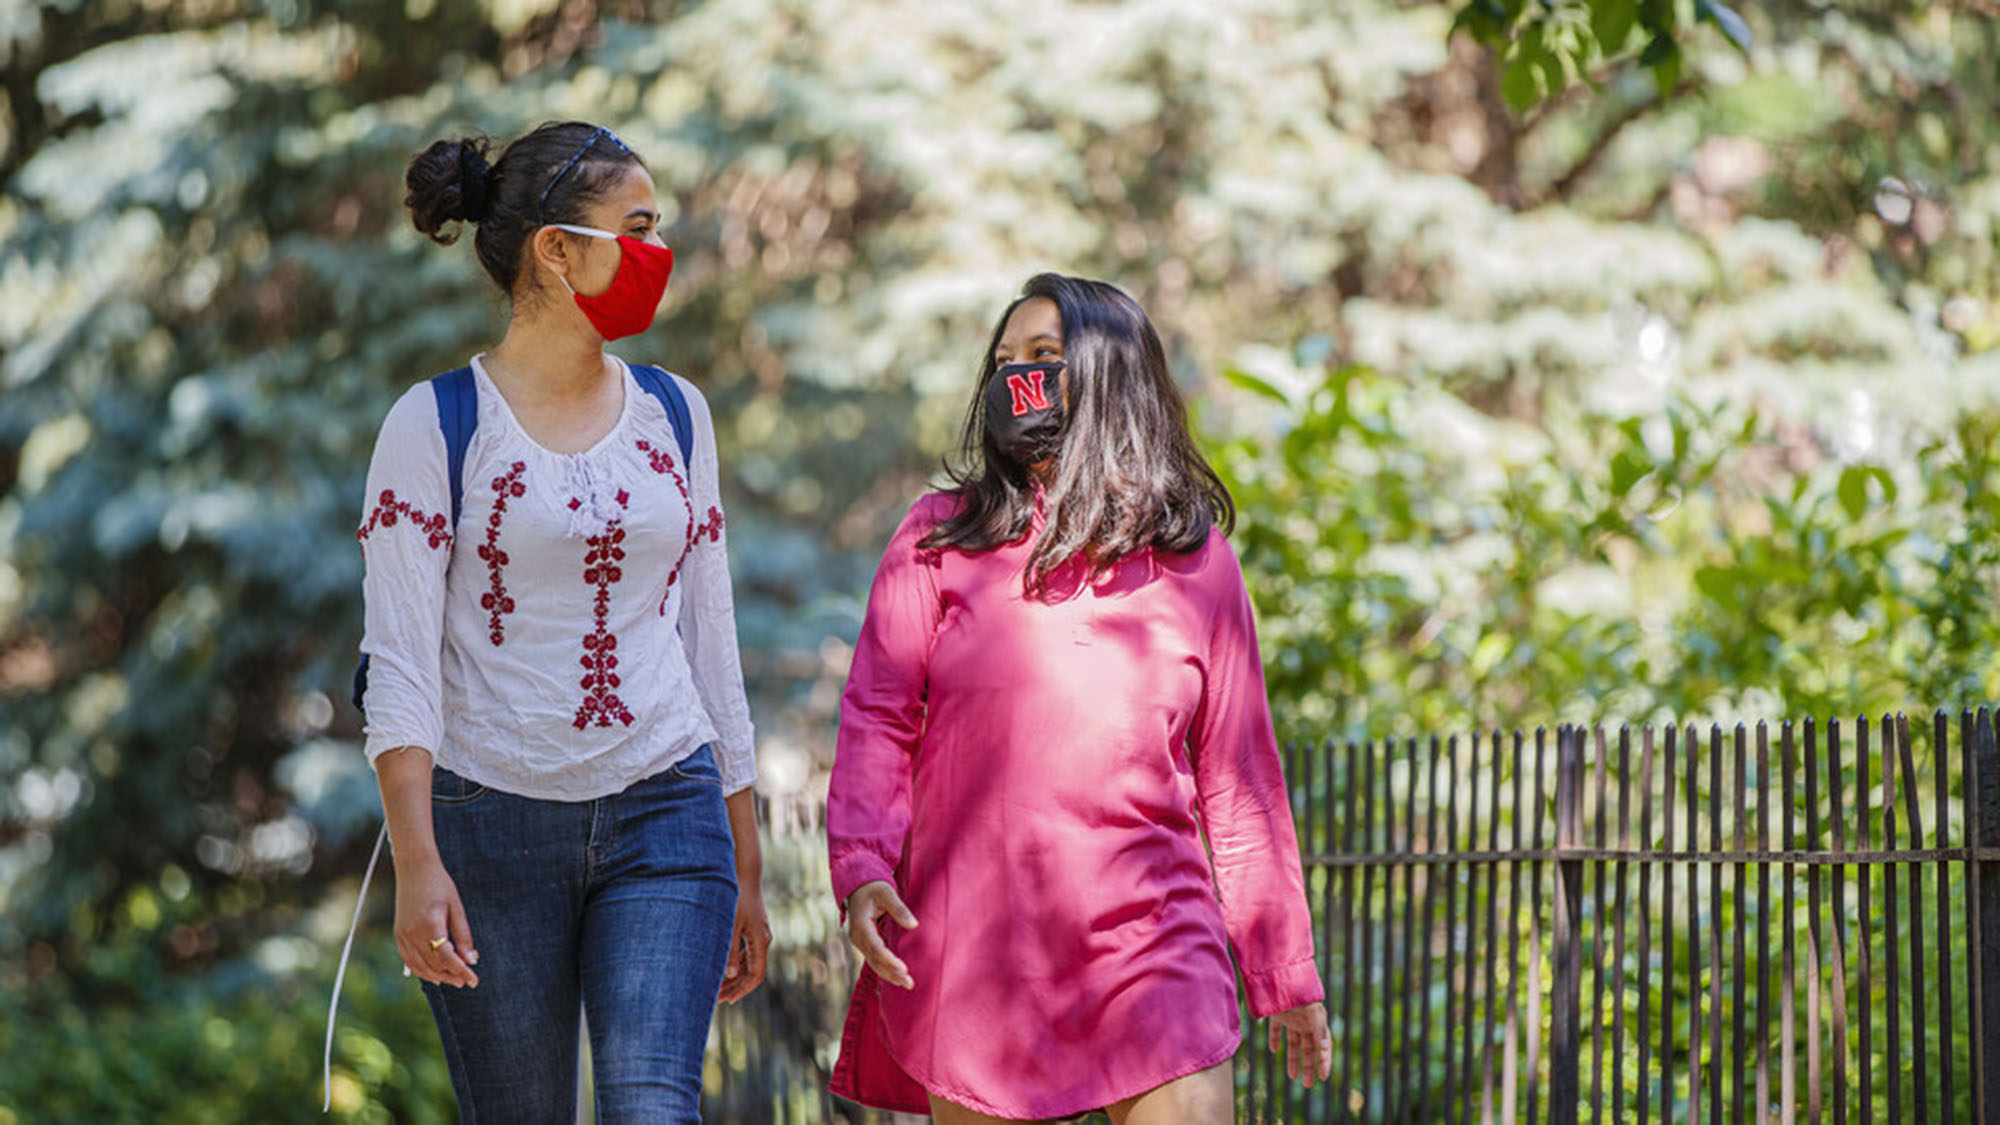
664,387
458,417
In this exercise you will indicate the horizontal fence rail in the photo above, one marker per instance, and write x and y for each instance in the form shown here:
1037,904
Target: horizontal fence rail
1671,925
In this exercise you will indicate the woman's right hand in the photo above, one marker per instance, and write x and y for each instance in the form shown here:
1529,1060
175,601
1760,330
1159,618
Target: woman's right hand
865,908
428,908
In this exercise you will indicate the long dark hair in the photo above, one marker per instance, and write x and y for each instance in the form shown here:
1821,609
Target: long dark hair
551,175
1127,474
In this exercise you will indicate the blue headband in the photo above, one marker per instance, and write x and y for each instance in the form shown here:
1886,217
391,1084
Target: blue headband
542,205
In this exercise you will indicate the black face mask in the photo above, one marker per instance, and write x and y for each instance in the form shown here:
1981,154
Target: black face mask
1024,410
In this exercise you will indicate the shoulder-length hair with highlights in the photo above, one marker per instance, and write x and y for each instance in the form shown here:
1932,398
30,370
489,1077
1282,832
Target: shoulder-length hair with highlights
1127,474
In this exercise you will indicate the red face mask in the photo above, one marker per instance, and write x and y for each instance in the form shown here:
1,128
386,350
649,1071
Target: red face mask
627,305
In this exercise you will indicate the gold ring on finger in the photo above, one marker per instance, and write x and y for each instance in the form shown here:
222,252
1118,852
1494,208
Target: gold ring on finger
435,942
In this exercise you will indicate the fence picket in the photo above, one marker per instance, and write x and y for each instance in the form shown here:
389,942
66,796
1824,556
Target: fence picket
1986,813
1488,1068
1864,958
1412,1031
1908,775
1468,963
1644,1021
1838,997
1597,927
1695,935
1740,960
1567,954
1667,936
1941,795
1762,839
1535,875
1618,927
1431,875
1517,1029
1815,1075
1788,1033
1892,982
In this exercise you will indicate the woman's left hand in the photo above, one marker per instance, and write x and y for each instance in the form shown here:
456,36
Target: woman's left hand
1307,1044
750,938
749,944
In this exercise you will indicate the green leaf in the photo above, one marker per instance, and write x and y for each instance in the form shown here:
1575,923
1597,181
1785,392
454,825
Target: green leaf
1854,490
1478,24
1487,21
1554,77
1658,51
1717,584
1887,482
1611,23
1666,71
1517,84
1626,471
1255,385
1725,17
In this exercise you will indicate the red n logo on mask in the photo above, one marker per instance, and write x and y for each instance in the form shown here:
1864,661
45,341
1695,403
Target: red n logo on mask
1028,393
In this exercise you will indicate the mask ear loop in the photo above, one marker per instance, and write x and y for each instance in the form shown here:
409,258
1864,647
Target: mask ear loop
587,232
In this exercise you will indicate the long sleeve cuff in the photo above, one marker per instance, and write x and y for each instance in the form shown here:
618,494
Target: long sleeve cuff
737,762
1283,987
852,869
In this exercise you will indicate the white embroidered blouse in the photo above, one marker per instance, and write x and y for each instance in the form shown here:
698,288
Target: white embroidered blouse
575,632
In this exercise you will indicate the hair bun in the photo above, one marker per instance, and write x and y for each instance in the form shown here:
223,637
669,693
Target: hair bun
448,182
473,174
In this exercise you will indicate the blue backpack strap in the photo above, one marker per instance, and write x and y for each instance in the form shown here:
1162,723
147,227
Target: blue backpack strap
458,417
662,386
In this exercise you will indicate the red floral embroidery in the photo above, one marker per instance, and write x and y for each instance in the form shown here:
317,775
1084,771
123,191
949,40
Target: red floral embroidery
496,600
600,648
661,463
388,510
712,528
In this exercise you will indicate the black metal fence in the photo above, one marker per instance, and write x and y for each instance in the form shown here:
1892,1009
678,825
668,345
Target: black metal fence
1792,925
1799,924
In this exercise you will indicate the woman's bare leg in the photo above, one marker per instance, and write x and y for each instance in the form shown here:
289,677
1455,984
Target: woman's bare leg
1206,1097
951,1113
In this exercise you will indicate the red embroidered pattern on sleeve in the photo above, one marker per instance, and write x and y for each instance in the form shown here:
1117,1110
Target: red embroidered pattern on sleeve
600,648
711,529
496,601
388,510
664,465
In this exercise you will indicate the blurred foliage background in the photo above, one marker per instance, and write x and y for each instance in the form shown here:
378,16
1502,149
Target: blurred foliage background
1573,360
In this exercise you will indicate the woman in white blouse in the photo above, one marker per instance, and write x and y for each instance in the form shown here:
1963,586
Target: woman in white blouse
555,707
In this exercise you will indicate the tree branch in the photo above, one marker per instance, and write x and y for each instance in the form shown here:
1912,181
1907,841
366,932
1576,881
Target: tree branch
1560,188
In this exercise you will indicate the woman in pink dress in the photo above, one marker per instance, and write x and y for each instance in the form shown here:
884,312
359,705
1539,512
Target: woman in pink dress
1055,702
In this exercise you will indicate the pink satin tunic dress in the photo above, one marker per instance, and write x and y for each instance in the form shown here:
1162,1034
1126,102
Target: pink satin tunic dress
1035,777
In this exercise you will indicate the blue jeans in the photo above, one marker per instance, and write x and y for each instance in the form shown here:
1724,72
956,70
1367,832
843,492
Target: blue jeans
623,906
